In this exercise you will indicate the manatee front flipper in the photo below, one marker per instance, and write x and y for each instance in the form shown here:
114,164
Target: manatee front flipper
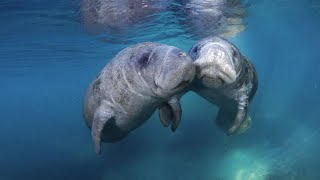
165,114
243,102
239,118
226,117
246,124
101,116
176,109
170,112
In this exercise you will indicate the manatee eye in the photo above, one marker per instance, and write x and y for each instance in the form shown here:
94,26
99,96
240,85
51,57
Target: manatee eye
195,50
235,54
234,57
144,60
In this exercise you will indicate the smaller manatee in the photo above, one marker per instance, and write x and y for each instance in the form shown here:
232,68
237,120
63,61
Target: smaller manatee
137,81
226,78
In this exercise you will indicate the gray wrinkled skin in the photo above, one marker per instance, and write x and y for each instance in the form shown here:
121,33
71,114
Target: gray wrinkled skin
137,81
226,78
214,17
114,15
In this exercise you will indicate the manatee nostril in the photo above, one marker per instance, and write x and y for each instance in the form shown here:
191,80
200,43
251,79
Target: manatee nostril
235,52
235,55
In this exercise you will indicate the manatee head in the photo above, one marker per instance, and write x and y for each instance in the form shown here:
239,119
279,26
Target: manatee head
218,62
168,70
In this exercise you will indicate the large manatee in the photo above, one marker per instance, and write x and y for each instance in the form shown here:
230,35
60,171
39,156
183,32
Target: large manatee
226,78
213,17
114,15
137,81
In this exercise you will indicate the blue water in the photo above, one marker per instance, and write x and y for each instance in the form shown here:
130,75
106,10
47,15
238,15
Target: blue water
47,60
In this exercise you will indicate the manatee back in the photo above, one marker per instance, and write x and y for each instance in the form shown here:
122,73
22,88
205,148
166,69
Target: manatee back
128,64
90,104
131,53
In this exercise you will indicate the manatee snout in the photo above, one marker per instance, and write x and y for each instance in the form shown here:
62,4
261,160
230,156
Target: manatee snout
217,62
177,72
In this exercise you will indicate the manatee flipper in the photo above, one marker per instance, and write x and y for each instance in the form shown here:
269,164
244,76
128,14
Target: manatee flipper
246,124
101,116
170,112
165,114
243,101
225,118
176,111
239,118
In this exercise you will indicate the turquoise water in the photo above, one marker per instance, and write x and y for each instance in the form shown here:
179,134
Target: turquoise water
47,60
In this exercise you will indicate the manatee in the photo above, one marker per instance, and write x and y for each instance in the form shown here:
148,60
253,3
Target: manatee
213,17
226,78
98,16
137,81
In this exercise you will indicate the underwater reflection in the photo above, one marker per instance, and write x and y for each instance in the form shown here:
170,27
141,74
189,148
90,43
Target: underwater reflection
125,20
